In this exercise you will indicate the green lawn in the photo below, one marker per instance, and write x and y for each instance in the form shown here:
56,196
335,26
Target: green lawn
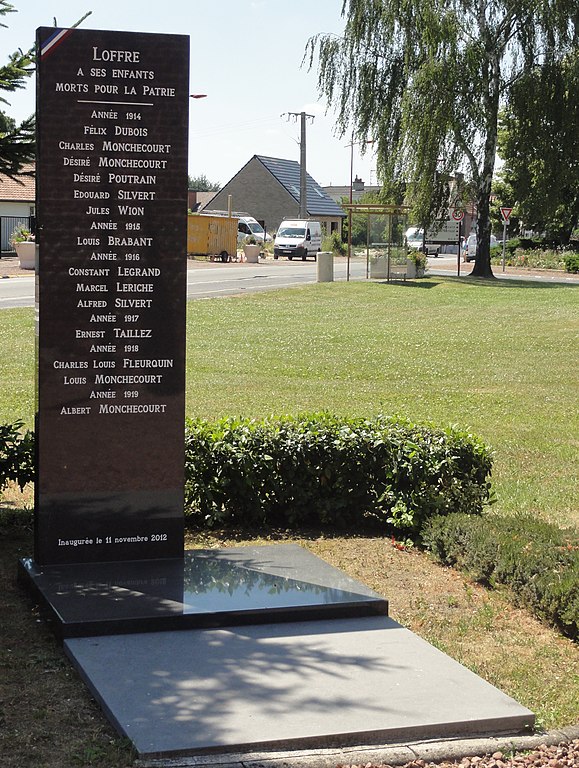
499,358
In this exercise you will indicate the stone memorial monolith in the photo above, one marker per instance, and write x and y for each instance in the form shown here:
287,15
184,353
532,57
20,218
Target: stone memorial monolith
111,288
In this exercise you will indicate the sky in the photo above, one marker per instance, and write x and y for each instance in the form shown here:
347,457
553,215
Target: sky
246,55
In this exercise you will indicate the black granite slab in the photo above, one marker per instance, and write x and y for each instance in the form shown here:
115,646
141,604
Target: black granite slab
112,137
207,588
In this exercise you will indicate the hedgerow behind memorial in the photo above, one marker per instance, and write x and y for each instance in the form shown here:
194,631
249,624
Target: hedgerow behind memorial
320,470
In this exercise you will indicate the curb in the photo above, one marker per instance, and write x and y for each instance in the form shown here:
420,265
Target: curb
389,754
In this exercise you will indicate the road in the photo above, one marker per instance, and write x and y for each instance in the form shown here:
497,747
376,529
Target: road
214,280
211,280
17,292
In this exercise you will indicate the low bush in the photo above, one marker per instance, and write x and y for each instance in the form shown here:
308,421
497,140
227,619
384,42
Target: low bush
335,244
537,561
535,258
16,455
320,470
537,254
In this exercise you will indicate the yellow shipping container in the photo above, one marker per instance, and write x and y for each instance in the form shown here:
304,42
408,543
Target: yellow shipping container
213,236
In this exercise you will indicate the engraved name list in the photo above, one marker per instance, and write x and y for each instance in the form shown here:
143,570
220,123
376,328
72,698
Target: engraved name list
113,112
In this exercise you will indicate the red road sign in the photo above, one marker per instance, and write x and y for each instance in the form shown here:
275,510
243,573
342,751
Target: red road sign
506,214
457,214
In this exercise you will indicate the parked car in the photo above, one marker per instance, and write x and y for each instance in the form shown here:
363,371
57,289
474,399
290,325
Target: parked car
250,227
471,246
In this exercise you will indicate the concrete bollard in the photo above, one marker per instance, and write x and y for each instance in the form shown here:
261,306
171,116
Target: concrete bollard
325,261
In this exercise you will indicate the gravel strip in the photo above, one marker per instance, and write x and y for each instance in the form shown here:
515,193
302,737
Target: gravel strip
556,749
556,756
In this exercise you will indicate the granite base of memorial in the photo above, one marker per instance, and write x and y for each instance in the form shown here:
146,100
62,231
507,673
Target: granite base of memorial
256,649
206,588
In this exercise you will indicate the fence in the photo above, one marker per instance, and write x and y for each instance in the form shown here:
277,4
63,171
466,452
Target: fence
7,226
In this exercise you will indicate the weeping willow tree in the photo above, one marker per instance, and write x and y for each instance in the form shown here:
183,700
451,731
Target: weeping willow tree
425,79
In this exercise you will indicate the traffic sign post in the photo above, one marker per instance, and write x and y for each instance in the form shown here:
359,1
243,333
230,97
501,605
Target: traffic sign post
458,215
459,248
506,214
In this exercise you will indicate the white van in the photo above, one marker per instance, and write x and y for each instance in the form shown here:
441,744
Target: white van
471,246
298,237
414,238
250,227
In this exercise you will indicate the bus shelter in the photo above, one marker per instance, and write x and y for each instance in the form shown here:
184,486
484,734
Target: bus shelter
386,225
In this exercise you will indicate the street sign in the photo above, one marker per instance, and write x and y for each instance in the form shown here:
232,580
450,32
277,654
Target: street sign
457,214
443,231
506,214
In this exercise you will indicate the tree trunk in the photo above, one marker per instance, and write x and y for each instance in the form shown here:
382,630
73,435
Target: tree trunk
482,266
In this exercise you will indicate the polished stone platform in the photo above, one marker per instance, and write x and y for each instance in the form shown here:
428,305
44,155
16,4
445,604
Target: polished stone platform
207,588
290,686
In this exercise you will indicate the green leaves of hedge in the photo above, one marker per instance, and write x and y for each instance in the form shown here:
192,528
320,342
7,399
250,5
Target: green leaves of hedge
16,454
538,561
319,469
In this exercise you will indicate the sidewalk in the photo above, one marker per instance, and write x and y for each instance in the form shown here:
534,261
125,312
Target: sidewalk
10,267
466,269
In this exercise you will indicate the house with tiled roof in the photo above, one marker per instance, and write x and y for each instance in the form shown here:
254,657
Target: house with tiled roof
359,189
268,188
17,205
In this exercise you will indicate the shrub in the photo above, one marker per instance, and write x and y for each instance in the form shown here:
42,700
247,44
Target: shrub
572,262
335,244
21,235
321,470
532,258
538,561
16,455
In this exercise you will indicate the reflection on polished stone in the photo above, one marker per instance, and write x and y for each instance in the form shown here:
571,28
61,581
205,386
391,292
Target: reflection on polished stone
207,588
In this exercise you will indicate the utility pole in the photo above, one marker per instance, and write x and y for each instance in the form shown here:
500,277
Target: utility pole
303,186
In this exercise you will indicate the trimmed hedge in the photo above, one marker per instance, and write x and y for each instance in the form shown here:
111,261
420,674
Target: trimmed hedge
322,470
539,562
16,454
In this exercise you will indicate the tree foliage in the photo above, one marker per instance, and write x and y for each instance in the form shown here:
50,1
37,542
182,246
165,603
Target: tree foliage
538,140
17,142
503,196
425,80
202,184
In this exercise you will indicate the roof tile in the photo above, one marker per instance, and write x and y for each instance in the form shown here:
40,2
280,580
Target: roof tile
20,189
287,172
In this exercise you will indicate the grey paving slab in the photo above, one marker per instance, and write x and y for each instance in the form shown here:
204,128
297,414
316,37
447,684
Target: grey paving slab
318,683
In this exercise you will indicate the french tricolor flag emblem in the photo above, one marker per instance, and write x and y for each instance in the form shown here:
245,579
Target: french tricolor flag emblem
57,37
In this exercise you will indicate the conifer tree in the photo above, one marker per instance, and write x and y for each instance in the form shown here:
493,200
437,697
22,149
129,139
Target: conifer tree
17,142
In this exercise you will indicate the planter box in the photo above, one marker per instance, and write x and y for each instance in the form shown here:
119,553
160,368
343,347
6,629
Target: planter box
379,269
252,253
412,271
26,253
